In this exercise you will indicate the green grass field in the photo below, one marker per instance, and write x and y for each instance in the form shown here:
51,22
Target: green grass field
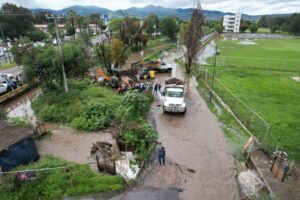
271,93
280,54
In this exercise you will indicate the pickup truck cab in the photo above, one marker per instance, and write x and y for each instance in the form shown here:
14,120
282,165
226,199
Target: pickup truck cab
164,67
173,99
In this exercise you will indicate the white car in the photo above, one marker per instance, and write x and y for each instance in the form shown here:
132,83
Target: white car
3,88
39,44
165,68
4,77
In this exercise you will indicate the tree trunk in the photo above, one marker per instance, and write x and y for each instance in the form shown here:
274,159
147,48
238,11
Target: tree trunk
188,65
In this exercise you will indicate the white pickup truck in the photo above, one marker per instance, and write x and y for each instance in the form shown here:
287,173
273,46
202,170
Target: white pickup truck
173,98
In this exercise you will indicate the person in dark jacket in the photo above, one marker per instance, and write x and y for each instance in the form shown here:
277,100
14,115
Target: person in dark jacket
155,89
161,153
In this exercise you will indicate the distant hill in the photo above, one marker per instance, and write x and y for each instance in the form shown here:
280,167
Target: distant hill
144,12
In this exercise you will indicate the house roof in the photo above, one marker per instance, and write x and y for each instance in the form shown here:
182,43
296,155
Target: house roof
10,134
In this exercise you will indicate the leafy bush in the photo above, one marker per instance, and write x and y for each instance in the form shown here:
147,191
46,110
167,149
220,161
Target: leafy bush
141,135
20,122
73,179
96,116
136,104
78,106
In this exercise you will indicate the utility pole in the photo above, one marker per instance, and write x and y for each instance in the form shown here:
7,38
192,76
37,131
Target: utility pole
214,72
61,56
4,42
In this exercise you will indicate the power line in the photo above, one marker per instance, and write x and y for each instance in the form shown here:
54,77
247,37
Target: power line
21,14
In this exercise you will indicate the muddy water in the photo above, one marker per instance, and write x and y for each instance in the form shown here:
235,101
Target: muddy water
64,142
208,51
134,57
196,151
21,106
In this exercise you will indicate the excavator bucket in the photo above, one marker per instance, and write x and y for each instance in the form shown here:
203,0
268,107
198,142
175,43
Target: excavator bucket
101,73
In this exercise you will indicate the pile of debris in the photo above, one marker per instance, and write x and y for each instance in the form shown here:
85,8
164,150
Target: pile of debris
103,152
250,184
175,81
280,165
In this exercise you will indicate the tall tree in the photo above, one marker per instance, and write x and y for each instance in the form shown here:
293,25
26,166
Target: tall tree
15,21
193,35
43,64
169,27
253,28
40,17
21,48
103,55
294,27
72,20
94,18
243,26
118,55
152,24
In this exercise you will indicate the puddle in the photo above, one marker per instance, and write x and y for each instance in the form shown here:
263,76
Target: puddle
296,78
217,108
208,51
21,106
247,42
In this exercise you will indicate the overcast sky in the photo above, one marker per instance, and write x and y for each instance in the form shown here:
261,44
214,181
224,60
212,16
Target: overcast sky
246,6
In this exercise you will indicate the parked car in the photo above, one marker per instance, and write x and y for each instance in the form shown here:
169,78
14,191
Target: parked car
1,53
3,88
4,77
165,68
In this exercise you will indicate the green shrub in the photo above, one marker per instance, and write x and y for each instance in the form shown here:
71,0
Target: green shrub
20,122
136,104
78,106
58,183
97,116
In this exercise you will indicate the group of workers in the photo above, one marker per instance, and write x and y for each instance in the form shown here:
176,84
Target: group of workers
141,87
13,82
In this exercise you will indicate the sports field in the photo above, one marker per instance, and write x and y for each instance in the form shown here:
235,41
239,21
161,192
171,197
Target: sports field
266,88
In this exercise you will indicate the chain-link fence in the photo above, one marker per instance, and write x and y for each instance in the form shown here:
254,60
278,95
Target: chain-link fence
250,120
288,65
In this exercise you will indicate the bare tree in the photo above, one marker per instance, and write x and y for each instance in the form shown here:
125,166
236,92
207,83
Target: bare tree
192,36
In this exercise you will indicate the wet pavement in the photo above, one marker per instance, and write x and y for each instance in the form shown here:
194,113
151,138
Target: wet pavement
21,105
199,164
198,160
13,70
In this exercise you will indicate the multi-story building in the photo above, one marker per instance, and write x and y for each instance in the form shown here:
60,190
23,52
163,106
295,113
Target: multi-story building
232,23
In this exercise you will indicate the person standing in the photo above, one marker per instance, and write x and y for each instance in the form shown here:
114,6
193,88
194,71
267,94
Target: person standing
155,89
158,86
161,153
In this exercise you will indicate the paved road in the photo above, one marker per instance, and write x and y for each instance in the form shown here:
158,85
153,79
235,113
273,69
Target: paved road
5,59
199,164
13,70
98,38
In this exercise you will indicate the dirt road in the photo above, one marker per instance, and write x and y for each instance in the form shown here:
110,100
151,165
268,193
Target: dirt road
199,164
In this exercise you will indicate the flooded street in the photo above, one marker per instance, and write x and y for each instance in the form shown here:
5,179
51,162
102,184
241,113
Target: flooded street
206,52
198,161
63,142
21,106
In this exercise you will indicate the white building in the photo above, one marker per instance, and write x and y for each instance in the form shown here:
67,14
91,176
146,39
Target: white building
232,23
